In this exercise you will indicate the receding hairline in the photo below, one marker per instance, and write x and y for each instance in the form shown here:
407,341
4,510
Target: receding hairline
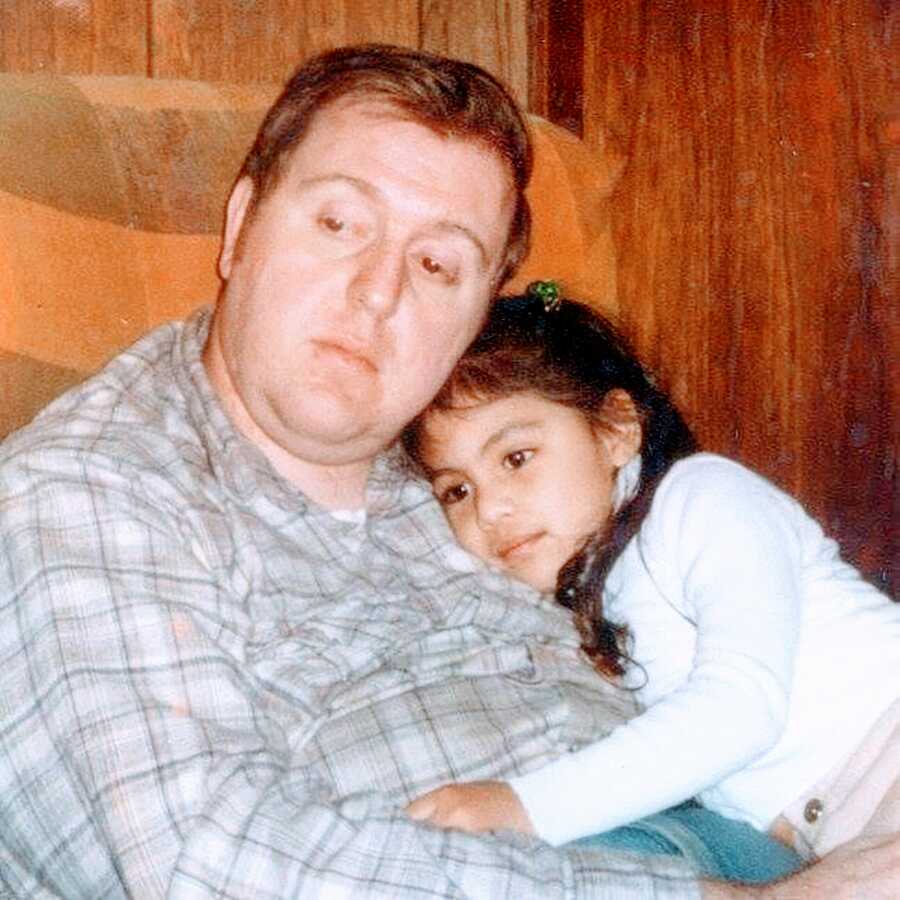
381,103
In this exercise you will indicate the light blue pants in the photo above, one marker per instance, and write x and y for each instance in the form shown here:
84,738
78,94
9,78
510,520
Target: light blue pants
715,846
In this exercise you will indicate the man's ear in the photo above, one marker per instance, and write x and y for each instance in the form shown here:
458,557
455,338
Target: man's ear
618,427
235,214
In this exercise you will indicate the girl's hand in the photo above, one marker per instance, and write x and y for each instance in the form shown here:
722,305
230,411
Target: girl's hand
472,806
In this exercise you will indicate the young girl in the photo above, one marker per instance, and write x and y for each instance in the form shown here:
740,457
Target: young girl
768,670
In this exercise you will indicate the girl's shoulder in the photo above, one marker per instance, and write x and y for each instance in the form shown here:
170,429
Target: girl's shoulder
708,474
706,493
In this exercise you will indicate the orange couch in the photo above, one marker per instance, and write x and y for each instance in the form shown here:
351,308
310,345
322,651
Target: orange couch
112,191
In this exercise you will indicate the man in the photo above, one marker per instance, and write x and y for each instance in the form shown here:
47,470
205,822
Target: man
235,639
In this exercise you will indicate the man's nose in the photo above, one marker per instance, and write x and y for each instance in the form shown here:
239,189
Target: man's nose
378,281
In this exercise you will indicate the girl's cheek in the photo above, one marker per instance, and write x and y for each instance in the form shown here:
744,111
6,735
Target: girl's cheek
456,525
467,534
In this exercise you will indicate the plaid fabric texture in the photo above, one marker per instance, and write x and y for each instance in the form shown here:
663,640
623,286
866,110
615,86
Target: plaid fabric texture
112,191
211,687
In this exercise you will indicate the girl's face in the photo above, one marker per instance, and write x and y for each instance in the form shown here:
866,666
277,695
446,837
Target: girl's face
524,480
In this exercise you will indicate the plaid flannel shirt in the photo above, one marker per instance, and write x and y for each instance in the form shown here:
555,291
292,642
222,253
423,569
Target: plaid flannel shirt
211,687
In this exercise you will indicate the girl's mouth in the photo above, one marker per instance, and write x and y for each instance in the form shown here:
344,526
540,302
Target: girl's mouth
518,546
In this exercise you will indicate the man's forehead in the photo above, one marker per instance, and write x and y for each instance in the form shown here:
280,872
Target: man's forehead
326,154
374,109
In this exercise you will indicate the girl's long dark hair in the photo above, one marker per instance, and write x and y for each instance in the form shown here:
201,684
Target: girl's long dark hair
571,355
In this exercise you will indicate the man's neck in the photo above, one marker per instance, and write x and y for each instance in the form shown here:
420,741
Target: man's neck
332,487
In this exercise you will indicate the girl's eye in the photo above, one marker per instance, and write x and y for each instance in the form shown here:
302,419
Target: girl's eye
454,494
517,458
332,224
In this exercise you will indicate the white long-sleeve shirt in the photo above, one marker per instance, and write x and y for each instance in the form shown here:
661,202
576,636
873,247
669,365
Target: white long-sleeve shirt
764,660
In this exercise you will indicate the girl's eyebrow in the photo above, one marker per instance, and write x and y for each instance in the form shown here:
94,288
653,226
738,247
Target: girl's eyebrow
511,429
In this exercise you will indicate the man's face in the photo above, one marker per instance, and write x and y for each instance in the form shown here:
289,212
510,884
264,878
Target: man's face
358,282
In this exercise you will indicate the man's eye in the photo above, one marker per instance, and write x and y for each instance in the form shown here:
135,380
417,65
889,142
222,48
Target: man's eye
438,270
332,224
517,458
454,494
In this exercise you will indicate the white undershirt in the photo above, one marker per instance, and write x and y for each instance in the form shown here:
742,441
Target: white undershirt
351,516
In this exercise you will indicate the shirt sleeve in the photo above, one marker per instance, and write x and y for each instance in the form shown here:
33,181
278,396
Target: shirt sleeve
137,761
722,533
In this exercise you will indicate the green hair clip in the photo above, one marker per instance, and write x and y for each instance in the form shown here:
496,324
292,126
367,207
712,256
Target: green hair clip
547,292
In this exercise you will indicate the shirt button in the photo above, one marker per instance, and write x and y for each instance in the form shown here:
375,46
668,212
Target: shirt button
813,810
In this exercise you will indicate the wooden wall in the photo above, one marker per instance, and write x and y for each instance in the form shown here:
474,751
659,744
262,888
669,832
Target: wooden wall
251,40
757,226
757,220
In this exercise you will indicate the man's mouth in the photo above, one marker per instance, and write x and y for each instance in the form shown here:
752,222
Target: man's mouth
349,354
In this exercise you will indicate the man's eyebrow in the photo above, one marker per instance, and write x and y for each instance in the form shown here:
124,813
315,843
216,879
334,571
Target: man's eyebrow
338,178
467,232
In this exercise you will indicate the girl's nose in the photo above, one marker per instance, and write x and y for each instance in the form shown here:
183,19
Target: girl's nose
493,504
378,281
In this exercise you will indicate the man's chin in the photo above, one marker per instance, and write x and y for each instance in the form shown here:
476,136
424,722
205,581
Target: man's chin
333,413
331,438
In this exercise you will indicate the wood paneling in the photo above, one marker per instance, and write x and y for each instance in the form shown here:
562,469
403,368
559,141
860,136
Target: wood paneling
556,52
491,33
252,40
751,226
102,36
263,41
